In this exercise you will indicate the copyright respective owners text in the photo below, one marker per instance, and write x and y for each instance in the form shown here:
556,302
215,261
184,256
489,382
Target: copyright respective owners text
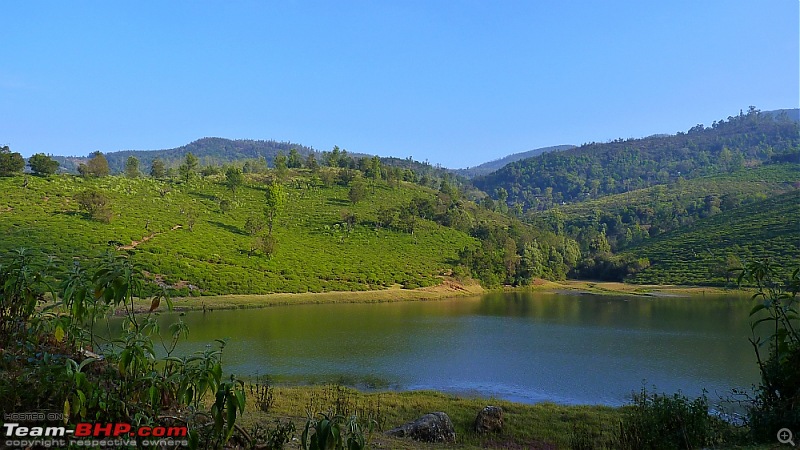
46,430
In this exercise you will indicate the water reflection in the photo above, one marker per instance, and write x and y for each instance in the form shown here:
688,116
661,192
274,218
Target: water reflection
519,346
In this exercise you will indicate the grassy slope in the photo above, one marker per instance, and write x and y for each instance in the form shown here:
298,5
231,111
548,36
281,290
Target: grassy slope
767,229
766,180
314,255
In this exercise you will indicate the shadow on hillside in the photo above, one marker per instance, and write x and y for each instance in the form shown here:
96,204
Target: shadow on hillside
338,202
225,226
210,197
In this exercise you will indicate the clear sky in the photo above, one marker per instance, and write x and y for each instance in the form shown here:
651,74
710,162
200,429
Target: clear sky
456,82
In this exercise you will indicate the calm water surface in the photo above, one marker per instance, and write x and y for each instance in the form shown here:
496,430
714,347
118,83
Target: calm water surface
526,347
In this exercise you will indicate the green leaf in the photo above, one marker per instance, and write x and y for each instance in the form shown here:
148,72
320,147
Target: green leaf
217,372
86,362
59,333
757,308
124,360
194,440
153,392
231,417
240,400
757,322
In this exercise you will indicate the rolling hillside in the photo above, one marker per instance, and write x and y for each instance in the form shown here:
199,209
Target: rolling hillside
194,234
632,217
699,254
598,169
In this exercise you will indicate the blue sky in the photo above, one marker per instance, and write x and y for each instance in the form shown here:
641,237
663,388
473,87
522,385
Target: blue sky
452,82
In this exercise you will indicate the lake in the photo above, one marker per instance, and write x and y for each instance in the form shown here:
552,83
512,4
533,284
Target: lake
526,347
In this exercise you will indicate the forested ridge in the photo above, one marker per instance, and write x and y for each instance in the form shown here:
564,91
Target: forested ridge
597,169
254,156
491,166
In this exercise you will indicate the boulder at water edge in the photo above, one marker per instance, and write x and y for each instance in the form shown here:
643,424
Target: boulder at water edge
433,427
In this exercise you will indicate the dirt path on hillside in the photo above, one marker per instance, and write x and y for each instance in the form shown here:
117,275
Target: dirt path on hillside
134,244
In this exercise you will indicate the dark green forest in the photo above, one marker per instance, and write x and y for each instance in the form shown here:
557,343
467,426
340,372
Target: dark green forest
594,170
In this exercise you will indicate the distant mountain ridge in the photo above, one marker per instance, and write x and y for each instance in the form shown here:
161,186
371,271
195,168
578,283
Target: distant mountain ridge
491,166
216,151
791,114
209,150
597,169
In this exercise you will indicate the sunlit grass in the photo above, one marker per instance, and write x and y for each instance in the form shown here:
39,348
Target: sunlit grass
181,236
525,426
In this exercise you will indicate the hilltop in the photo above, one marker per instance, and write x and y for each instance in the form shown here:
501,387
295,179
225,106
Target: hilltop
491,166
260,154
597,169
213,151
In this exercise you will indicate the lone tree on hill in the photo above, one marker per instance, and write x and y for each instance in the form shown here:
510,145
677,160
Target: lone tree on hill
96,204
189,167
280,162
294,162
42,164
268,245
132,167
234,178
275,200
253,225
10,163
311,163
157,169
97,166
375,171
357,191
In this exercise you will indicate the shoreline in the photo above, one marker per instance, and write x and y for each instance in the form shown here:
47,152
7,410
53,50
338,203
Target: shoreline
449,288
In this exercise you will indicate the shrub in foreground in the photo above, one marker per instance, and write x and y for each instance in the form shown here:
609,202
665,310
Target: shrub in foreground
660,421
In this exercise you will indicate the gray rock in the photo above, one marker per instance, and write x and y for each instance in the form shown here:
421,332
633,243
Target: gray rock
433,427
489,420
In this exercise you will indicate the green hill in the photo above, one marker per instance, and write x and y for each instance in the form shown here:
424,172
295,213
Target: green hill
704,252
629,218
598,169
317,249
210,151
218,152
489,167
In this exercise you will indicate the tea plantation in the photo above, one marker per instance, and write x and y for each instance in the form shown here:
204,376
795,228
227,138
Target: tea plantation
700,253
192,236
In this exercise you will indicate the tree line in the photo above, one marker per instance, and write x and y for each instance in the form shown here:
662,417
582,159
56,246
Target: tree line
597,169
